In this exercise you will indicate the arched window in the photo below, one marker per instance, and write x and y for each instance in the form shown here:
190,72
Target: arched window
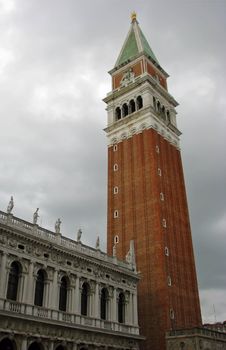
7,344
163,112
168,116
13,281
139,102
35,346
103,303
132,106
117,113
39,288
63,294
161,196
84,299
164,222
60,347
154,102
158,107
125,110
166,251
121,308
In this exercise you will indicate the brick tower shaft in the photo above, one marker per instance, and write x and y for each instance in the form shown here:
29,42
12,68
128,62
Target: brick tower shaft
146,191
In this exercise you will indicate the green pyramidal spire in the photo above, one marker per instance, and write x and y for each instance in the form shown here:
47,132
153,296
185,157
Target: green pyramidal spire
135,44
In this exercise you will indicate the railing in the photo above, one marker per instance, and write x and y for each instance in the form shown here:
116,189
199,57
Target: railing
197,331
28,311
37,231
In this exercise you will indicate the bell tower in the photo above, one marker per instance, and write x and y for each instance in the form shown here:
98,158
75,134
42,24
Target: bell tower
146,191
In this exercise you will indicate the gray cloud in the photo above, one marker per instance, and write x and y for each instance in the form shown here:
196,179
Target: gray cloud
54,59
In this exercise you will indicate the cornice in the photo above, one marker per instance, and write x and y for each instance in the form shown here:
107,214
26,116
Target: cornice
79,331
113,95
99,260
139,121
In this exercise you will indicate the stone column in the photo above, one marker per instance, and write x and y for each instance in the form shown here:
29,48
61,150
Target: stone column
71,296
114,306
3,274
135,314
97,302
25,288
21,287
30,284
77,297
51,345
127,308
91,300
75,346
53,294
24,344
130,309
47,295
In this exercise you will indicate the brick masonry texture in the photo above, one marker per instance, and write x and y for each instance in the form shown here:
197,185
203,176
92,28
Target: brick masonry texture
141,214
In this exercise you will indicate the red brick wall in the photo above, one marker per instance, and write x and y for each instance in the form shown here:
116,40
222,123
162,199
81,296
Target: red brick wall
153,72
140,218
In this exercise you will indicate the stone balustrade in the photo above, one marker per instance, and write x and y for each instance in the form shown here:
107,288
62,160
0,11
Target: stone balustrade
197,331
37,231
31,311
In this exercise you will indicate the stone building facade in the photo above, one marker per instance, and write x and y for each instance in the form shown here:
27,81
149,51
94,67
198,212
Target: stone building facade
58,294
196,339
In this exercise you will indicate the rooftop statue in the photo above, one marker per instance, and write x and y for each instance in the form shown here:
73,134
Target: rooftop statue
10,205
98,243
57,226
79,235
35,216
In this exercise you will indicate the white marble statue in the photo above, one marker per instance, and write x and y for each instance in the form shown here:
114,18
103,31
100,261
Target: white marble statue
130,256
10,205
98,243
79,235
57,226
35,216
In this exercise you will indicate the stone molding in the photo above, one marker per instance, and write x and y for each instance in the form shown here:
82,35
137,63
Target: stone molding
136,123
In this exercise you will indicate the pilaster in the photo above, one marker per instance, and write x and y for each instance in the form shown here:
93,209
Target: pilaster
3,274
30,284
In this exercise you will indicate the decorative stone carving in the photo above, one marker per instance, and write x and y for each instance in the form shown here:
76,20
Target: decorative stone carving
130,256
79,235
35,217
81,281
3,239
57,226
111,291
61,259
12,243
128,78
92,286
98,243
127,294
38,251
29,248
10,205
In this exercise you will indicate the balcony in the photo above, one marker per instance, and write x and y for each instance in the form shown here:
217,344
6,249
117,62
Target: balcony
29,312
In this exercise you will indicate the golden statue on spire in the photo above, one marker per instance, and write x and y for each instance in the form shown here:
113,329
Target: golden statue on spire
133,16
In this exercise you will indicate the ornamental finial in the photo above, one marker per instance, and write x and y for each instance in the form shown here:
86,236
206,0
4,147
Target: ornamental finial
133,16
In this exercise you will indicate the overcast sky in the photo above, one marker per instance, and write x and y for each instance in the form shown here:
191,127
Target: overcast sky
54,59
